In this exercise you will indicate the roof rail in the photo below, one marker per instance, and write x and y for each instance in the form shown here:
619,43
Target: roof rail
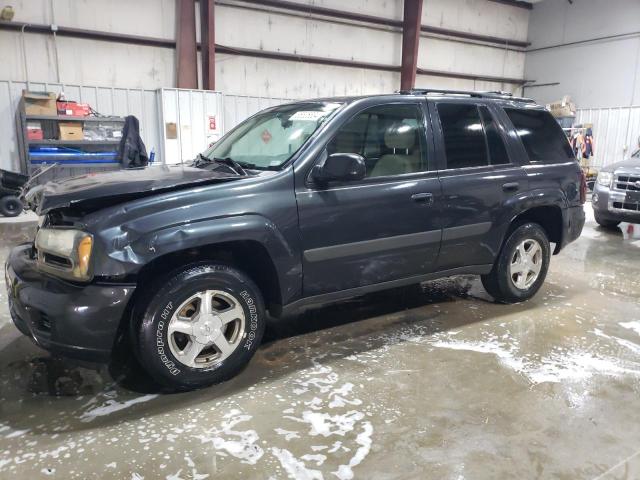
489,94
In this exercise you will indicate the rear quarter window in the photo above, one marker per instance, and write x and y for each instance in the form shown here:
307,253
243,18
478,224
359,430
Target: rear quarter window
541,135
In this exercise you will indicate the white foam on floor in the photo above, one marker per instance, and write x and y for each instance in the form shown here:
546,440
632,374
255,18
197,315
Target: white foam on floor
241,444
294,467
112,406
345,472
635,326
557,366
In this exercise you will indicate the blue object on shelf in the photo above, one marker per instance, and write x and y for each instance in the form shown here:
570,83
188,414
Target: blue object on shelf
75,162
70,156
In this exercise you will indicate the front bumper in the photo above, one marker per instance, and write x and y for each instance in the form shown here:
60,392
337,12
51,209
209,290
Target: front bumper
74,321
606,201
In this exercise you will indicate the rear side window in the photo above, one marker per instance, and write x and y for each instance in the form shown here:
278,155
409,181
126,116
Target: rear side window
497,150
463,135
541,135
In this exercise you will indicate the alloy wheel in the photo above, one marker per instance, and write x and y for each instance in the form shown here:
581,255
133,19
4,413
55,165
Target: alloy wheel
206,329
526,264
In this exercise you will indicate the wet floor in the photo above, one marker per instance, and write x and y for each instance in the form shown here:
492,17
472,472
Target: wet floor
424,382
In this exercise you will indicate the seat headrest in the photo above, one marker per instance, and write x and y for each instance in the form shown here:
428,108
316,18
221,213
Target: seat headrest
400,135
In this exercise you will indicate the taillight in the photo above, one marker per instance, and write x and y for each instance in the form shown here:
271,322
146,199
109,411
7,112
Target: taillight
583,187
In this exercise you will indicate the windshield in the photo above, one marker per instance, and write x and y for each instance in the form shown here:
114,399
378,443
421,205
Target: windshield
267,140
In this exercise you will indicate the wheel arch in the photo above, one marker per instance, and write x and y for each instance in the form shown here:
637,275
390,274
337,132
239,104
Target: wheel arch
251,243
549,217
249,256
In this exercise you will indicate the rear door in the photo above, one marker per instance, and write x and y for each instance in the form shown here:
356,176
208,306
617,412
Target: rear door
479,180
384,227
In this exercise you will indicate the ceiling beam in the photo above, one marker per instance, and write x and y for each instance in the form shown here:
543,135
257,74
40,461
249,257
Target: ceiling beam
186,62
515,3
222,49
375,20
208,44
410,43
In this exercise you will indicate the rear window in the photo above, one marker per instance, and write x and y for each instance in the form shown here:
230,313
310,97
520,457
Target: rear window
541,135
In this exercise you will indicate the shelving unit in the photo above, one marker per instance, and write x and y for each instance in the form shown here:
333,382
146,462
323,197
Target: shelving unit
70,118
84,155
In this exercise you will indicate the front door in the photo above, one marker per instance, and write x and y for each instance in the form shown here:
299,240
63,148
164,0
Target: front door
384,227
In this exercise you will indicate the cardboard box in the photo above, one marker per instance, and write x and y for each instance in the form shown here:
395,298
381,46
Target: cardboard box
562,108
73,109
39,103
70,131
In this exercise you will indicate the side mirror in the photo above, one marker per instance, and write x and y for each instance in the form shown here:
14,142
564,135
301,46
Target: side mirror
340,167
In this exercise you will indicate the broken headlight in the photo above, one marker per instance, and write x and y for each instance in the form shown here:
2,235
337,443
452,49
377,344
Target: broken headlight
65,252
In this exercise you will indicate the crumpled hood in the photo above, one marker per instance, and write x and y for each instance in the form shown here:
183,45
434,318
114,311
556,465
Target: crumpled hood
120,185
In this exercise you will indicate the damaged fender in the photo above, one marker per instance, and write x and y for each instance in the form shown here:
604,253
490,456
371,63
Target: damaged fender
131,257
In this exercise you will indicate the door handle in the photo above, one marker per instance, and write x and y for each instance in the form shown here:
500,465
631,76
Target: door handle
424,198
511,187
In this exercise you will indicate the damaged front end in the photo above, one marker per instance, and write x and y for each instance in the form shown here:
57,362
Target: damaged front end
97,190
70,239
71,286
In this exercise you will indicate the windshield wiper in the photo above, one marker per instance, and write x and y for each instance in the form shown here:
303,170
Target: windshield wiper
230,162
236,167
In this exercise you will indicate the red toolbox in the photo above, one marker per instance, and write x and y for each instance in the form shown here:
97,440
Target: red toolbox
73,109
34,131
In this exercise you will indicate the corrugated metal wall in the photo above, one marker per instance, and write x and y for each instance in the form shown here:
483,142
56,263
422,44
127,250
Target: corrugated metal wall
189,121
203,116
616,132
200,117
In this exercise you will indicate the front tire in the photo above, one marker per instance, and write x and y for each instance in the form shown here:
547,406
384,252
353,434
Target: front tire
200,327
521,266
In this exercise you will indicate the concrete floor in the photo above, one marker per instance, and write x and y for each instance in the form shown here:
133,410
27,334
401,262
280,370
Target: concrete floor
432,382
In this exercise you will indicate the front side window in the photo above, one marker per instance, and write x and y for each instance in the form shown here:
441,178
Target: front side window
463,134
269,139
389,137
541,135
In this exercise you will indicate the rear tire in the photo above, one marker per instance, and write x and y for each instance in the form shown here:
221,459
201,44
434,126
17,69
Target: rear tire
200,326
521,266
608,224
10,206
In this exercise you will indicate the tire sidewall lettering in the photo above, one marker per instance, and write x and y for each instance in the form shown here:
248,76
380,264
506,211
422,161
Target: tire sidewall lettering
253,318
162,338
166,312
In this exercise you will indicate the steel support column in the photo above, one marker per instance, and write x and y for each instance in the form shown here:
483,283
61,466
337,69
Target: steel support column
186,64
410,41
208,44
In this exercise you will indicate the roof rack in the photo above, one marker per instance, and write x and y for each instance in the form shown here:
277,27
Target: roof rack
489,94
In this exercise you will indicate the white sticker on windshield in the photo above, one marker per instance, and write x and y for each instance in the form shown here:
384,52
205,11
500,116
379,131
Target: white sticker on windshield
308,115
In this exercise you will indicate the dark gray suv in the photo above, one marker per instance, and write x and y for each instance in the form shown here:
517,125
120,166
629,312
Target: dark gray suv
300,205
